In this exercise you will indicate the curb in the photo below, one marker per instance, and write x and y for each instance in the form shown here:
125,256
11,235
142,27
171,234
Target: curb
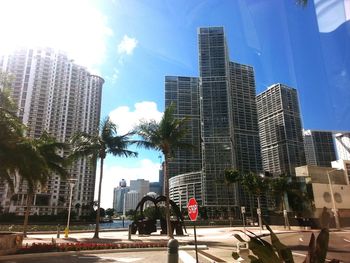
101,251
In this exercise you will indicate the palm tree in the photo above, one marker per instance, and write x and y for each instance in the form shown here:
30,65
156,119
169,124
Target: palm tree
37,159
280,187
97,147
256,185
11,132
165,136
231,176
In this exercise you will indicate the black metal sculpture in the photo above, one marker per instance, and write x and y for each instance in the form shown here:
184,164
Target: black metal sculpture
148,225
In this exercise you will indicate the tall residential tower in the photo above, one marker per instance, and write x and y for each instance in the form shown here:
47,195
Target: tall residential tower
280,128
224,123
56,95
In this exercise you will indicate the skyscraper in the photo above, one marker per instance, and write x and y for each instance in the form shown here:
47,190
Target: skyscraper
246,141
228,125
319,147
280,129
183,93
216,115
56,95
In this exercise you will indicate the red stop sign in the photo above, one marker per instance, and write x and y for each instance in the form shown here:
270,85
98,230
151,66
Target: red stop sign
192,208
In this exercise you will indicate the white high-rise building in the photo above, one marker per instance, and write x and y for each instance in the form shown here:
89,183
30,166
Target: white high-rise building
56,95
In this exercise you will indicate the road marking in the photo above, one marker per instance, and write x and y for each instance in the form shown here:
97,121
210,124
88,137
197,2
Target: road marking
185,257
301,240
346,240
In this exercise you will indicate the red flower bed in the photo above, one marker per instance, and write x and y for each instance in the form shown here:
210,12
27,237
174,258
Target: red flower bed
44,247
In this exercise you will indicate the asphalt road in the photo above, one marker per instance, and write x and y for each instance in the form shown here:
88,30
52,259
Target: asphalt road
338,247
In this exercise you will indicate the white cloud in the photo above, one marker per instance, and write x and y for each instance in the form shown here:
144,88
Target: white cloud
76,27
143,169
127,119
127,45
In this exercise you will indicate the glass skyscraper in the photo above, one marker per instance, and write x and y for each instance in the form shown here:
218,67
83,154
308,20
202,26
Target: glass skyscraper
228,126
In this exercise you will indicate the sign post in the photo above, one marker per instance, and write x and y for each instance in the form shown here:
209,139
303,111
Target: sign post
192,208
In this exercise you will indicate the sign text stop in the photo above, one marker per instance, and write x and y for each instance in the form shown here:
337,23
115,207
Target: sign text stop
192,208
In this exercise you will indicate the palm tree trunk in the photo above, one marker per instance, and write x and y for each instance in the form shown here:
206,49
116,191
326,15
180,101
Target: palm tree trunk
97,227
26,214
286,221
167,203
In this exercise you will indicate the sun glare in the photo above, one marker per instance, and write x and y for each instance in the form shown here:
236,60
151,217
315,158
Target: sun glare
72,26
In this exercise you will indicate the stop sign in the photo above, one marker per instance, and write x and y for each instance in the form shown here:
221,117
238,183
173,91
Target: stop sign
192,208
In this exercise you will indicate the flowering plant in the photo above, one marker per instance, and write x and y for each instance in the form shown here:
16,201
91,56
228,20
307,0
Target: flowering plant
54,247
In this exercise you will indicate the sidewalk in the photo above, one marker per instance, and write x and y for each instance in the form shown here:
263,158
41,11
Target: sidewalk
219,241
220,234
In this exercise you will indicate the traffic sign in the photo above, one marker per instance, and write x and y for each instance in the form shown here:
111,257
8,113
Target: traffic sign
192,208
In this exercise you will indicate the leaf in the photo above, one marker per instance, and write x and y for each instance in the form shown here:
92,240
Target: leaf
283,251
322,246
235,255
311,251
239,238
263,250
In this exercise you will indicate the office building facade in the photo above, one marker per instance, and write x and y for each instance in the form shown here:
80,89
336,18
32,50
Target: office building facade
319,147
280,129
56,95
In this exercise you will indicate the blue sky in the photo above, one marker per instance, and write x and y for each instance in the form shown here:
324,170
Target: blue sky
133,44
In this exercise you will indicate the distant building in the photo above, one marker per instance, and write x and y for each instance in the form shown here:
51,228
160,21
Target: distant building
119,196
132,198
280,128
155,187
140,185
319,147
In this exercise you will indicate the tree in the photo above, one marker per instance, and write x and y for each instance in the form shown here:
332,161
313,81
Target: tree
11,132
231,176
37,159
280,187
254,184
110,212
97,146
164,136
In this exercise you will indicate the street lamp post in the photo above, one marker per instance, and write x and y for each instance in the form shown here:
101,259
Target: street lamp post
335,211
258,210
180,200
71,185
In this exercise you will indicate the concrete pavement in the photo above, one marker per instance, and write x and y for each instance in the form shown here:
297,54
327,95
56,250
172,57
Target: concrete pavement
220,241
